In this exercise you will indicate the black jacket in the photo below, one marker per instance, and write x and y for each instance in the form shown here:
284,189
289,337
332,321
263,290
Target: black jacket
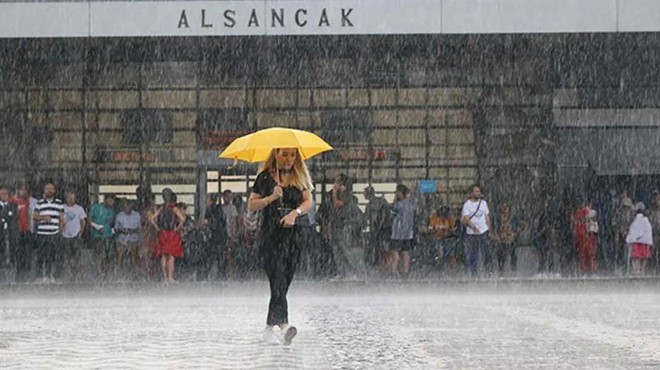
8,229
217,223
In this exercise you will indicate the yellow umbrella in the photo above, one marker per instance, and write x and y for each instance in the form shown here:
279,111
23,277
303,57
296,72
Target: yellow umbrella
257,146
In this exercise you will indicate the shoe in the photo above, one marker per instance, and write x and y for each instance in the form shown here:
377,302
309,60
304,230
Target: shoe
351,278
269,337
289,334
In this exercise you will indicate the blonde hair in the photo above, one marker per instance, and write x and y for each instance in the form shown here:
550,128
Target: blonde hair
300,179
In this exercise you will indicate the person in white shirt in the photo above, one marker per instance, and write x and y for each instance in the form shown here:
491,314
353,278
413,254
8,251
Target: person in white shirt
73,235
640,236
127,227
476,219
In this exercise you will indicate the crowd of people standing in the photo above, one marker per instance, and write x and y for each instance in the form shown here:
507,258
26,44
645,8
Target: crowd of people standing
571,237
44,240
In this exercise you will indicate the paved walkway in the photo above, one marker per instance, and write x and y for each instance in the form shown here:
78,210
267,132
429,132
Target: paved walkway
567,324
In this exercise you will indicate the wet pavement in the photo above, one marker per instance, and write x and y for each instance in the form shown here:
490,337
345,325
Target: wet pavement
491,324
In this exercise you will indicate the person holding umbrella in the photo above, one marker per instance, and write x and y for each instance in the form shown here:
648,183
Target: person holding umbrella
282,192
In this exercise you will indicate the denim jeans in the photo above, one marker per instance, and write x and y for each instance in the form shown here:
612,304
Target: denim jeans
477,253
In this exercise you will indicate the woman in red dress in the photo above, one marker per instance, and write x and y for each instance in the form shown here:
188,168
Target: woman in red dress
585,241
168,220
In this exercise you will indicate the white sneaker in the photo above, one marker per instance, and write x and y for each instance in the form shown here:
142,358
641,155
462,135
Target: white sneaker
269,337
289,334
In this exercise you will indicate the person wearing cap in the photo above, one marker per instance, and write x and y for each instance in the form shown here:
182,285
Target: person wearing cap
640,236
623,217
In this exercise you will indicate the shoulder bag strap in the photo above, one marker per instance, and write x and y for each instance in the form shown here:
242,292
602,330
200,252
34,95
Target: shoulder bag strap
476,210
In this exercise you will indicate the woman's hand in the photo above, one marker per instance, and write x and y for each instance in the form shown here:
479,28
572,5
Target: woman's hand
289,220
277,193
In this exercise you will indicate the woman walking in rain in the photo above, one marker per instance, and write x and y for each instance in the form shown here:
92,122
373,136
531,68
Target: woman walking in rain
282,192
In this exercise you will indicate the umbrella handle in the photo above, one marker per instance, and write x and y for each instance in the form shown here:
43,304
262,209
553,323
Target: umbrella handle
279,182
233,164
277,171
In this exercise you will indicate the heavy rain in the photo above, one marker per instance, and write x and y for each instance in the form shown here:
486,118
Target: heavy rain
329,184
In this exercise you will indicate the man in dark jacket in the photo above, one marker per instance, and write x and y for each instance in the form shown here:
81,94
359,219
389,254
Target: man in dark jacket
215,230
9,231
377,217
345,227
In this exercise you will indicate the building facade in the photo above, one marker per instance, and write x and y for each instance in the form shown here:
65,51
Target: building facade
528,114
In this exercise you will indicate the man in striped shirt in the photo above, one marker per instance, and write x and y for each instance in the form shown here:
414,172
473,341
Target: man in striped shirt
49,220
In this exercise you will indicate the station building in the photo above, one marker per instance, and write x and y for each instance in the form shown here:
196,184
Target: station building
531,99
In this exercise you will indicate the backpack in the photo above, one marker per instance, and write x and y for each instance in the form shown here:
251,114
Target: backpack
217,224
167,219
385,216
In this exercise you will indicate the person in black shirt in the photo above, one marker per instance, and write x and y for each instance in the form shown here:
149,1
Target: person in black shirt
215,236
9,231
282,192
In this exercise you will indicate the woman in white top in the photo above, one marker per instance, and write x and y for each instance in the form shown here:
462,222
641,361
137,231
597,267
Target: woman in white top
641,238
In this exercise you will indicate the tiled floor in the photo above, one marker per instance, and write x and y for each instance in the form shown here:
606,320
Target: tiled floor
342,326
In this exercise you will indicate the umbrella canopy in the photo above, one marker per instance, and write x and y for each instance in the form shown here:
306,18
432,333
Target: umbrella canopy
256,147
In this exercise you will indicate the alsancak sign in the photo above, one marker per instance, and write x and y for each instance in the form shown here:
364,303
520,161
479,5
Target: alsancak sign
278,18
216,18
319,17
238,18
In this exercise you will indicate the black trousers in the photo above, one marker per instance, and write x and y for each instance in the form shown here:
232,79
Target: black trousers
24,256
280,254
546,260
48,254
210,256
504,250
